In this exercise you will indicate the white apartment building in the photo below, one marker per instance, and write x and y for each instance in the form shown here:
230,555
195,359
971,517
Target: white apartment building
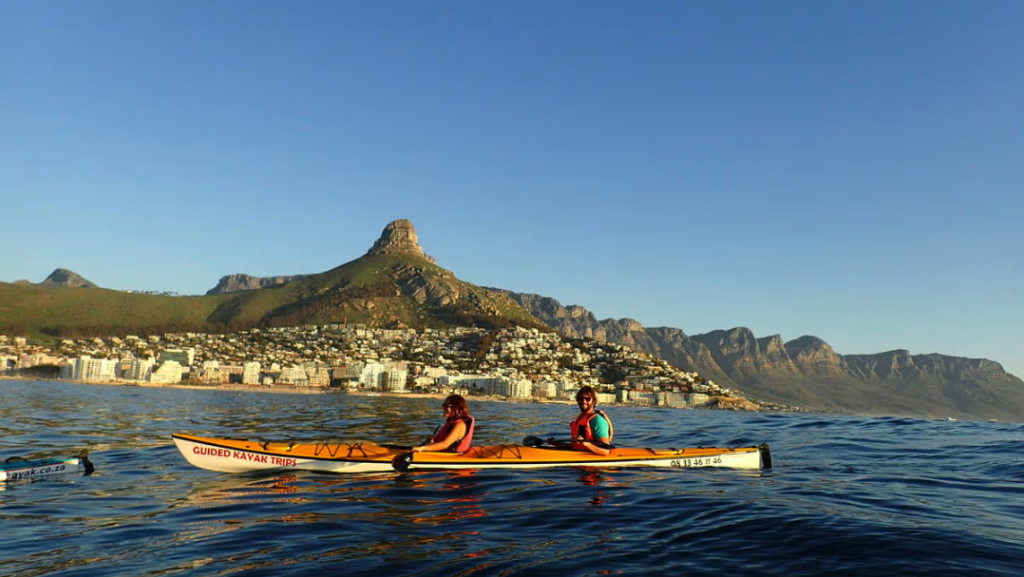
546,390
185,357
87,368
294,375
169,372
371,375
251,373
512,388
37,360
697,399
8,362
394,380
210,373
318,376
138,369
489,385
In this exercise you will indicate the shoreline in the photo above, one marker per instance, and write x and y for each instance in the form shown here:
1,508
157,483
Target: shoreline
279,389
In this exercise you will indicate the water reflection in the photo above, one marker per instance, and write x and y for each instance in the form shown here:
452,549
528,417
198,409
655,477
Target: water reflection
601,480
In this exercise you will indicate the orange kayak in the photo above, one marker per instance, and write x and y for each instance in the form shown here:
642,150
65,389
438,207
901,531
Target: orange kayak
240,456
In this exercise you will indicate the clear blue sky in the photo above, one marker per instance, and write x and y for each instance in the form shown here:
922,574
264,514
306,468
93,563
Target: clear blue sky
846,169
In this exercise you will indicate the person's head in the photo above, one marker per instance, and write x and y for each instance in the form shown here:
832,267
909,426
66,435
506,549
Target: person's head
586,398
455,407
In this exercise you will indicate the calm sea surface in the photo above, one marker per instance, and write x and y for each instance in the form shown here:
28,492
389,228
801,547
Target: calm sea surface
847,496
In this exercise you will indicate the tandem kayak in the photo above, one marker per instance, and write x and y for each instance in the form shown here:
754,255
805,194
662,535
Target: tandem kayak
15,468
240,456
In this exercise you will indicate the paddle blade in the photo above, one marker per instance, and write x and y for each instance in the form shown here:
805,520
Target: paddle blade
89,467
531,441
401,462
766,456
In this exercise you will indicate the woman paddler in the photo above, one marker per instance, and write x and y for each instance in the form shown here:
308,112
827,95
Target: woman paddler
592,429
456,433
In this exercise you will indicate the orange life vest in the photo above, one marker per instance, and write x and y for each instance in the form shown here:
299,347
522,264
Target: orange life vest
461,445
581,427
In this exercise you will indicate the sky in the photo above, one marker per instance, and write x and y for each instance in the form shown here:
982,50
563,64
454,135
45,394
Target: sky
850,170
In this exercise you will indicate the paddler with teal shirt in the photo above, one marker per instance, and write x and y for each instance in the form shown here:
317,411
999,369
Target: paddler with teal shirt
592,429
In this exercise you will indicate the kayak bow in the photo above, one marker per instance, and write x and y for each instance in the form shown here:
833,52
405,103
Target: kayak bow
241,456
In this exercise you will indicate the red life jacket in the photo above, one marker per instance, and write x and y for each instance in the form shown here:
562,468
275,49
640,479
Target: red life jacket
581,427
461,445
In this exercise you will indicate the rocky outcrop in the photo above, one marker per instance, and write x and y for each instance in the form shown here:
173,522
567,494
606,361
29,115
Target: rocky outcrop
806,371
814,357
438,287
63,277
399,238
731,404
233,283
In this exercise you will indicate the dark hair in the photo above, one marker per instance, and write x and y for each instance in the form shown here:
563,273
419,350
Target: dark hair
458,405
587,389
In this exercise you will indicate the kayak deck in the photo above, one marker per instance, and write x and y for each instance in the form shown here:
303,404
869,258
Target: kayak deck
524,457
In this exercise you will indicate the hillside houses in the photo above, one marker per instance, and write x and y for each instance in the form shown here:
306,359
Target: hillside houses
516,363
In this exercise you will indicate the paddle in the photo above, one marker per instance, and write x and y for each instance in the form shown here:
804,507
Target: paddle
84,456
401,462
531,441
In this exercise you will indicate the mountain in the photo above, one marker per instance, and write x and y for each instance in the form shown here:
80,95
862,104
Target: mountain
234,283
806,371
395,284
63,277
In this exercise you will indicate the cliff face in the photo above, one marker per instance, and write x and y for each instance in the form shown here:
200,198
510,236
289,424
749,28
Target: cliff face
806,371
233,283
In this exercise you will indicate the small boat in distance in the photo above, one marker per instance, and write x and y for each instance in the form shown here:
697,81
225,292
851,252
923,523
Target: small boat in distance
15,468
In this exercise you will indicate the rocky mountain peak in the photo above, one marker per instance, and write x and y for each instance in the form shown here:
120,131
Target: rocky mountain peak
63,277
243,282
399,237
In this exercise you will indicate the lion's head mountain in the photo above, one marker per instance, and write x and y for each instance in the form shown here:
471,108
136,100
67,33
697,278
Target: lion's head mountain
398,285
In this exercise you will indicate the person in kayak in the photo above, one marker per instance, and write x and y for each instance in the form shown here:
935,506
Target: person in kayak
456,433
592,429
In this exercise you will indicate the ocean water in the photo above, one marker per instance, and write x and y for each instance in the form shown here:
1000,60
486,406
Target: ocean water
848,495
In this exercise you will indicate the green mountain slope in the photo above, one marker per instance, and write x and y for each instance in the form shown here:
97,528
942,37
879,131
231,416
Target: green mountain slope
380,290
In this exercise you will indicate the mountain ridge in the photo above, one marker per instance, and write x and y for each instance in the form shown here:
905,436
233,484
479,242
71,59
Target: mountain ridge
397,285
806,371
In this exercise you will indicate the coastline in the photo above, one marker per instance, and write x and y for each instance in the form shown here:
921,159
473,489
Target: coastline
278,389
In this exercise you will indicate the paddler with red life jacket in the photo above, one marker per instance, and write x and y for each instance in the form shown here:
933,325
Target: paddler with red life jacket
592,429
456,433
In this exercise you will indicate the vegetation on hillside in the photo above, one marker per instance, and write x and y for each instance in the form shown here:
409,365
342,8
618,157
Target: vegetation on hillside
375,290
